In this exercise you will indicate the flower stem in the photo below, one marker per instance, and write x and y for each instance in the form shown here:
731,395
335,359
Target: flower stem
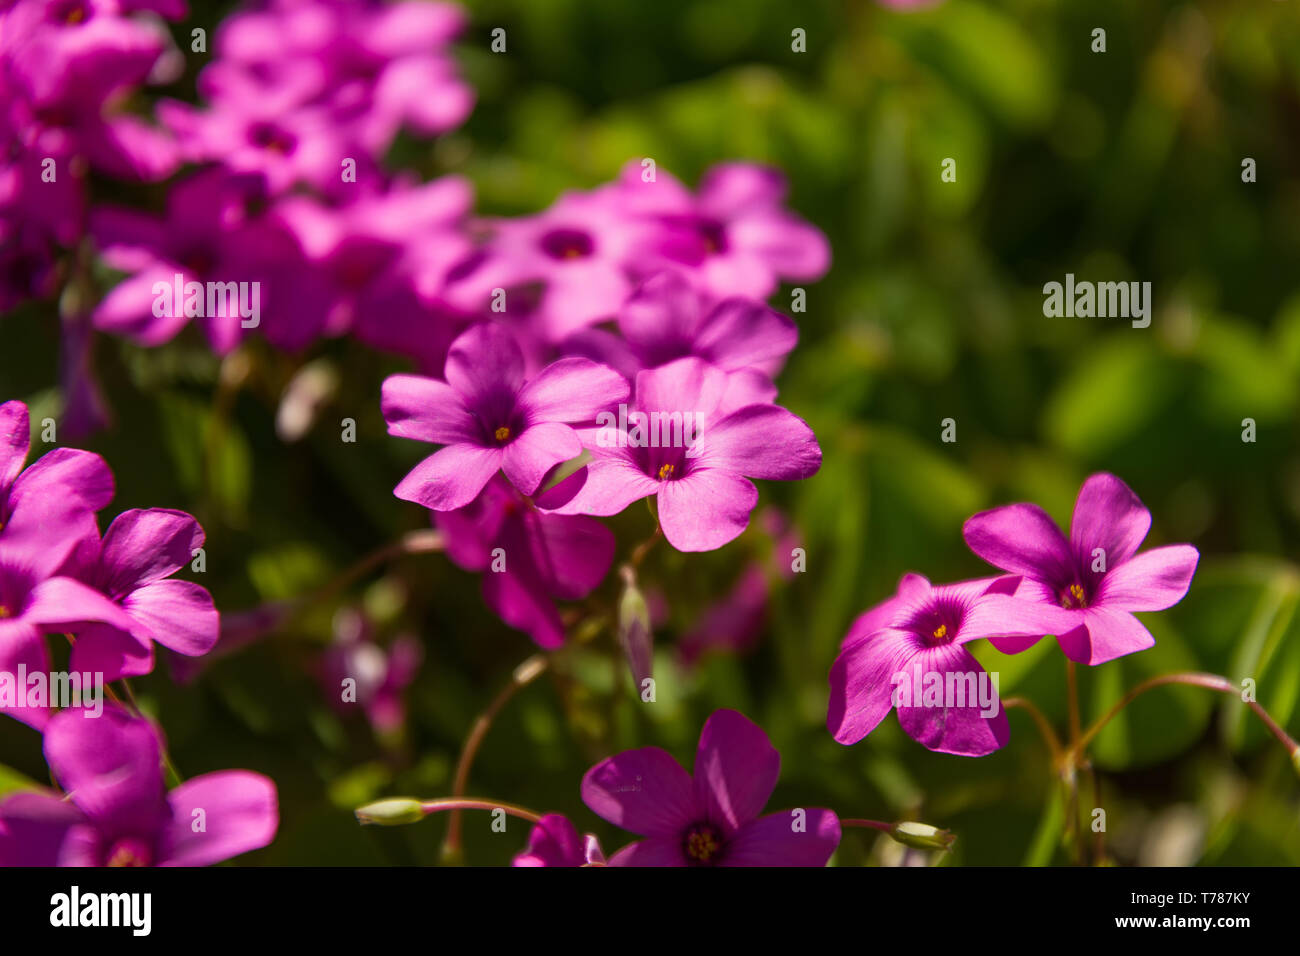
1044,726
413,542
1208,681
523,675
456,804
1068,768
872,824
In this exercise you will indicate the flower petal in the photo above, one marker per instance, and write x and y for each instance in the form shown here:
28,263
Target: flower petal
775,840
15,435
143,546
571,390
736,769
240,813
644,791
450,478
1022,539
483,363
706,509
1109,516
536,450
960,722
21,646
62,604
862,681
415,406
612,483
1107,633
553,841
34,827
176,614
111,766
760,441
656,851
1151,581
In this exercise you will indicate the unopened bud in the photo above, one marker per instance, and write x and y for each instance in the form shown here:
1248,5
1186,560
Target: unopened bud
634,633
392,812
921,836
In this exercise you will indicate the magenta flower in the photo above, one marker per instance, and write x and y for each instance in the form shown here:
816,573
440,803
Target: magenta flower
908,654
667,319
735,238
32,606
528,558
1086,589
489,418
49,508
711,819
132,567
701,479
554,842
381,675
117,811
580,250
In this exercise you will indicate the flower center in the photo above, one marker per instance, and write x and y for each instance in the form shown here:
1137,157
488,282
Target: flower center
5,612
665,472
1073,597
702,843
941,632
567,244
502,433
270,137
129,852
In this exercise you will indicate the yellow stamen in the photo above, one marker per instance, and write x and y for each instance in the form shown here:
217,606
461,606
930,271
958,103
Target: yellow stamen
1076,592
941,632
76,15
124,856
701,845
502,433
665,472
5,612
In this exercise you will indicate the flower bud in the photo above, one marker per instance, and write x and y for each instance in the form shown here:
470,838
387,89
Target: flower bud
921,836
392,812
634,633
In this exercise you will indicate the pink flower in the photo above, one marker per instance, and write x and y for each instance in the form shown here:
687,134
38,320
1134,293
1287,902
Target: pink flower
489,418
579,250
554,842
132,567
711,819
381,675
1086,589
49,508
529,558
735,237
667,319
701,483
117,811
911,646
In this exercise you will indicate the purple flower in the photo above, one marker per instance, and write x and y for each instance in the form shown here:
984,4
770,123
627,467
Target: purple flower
528,557
554,842
381,676
32,605
667,319
489,418
132,567
217,229
71,61
907,654
735,238
1086,589
48,509
580,250
712,819
117,811
698,463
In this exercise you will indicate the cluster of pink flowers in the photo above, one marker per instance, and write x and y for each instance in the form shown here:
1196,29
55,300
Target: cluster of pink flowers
1083,590
113,597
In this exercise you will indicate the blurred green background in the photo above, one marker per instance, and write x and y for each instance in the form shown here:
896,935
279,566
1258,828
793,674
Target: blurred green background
1123,165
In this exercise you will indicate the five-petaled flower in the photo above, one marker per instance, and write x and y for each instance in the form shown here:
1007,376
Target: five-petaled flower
490,418
713,818
1084,590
